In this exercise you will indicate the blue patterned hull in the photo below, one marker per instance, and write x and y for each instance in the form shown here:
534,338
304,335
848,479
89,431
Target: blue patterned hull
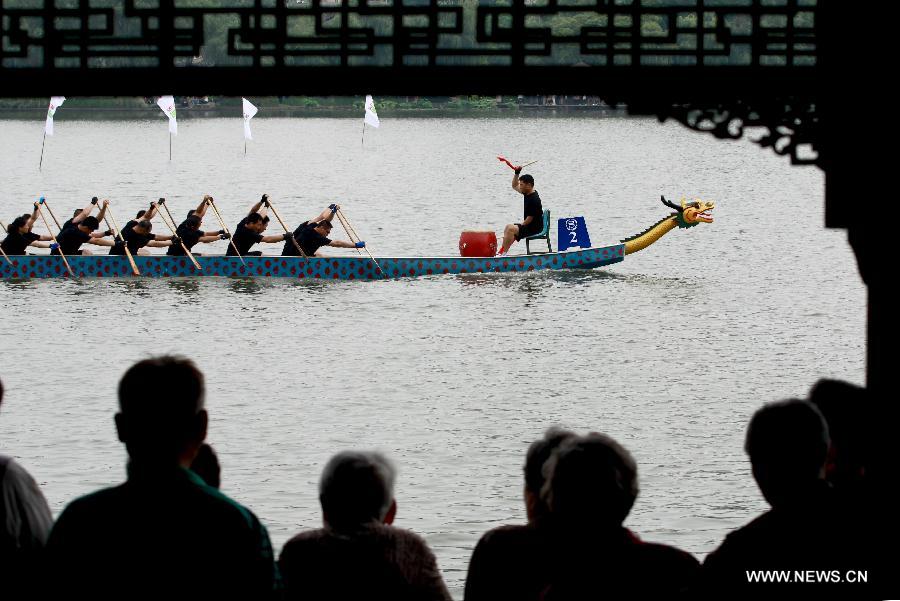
329,268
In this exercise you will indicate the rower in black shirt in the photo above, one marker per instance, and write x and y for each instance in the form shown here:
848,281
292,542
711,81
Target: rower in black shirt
142,215
533,222
249,230
80,214
313,234
19,236
72,237
138,236
68,222
190,233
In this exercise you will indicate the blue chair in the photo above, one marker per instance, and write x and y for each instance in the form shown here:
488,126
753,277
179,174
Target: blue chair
544,234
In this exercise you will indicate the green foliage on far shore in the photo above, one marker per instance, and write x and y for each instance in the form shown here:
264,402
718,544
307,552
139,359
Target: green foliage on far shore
307,106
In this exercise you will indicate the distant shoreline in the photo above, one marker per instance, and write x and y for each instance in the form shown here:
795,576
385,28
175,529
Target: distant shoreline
348,112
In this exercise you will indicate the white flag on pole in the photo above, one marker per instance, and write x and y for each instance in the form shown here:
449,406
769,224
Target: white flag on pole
249,111
371,116
55,103
167,105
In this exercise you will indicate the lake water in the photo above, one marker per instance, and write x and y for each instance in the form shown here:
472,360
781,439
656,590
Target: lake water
670,351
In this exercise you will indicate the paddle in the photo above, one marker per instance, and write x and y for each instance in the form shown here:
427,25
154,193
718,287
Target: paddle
212,203
286,231
52,215
171,226
122,238
349,228
52,235
5,256
513,167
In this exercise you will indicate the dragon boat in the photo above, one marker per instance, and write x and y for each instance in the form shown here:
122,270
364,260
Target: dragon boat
687,215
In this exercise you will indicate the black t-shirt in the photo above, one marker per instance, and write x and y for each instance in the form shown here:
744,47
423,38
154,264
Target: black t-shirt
243,238
533,209
308,238
134,240
16,243
70,240
189,237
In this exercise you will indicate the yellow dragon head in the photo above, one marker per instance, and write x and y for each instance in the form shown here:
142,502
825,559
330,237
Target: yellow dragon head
686,215
691,213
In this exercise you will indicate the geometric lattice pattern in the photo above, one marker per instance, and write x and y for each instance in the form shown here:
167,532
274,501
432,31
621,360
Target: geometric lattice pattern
714,65
133,33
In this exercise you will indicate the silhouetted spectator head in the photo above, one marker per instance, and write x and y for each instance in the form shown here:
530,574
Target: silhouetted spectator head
845,407
206,465
591,484
535,460
357,488
162,420
787,443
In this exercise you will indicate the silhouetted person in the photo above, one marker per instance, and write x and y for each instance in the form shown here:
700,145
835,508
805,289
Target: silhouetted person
787,443
25,522
511,562
359,554
163,533
206,465
592,485
846,410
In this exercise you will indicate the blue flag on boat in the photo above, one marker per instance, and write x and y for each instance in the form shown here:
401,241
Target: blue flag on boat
573,233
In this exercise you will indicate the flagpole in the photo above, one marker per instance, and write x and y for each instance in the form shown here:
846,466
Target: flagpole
42,150
170,146
363,140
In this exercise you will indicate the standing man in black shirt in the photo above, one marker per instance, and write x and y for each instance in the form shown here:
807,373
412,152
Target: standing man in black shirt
312,235
249,230
190,233
139,236
533,222
19,236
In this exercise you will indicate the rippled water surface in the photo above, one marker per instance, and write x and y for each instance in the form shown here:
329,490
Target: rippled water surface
670,351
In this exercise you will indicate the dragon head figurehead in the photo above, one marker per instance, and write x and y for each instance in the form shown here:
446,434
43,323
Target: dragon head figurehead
687,214
697,211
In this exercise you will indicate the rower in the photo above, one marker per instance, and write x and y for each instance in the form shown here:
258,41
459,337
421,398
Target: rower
249,230
80,214
146,215
533,222
190,233
19,235
313,234
139,236
72,237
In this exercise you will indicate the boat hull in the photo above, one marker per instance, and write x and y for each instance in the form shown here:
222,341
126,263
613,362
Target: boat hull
336,268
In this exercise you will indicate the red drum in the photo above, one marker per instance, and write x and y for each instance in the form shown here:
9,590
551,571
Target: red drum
477,244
